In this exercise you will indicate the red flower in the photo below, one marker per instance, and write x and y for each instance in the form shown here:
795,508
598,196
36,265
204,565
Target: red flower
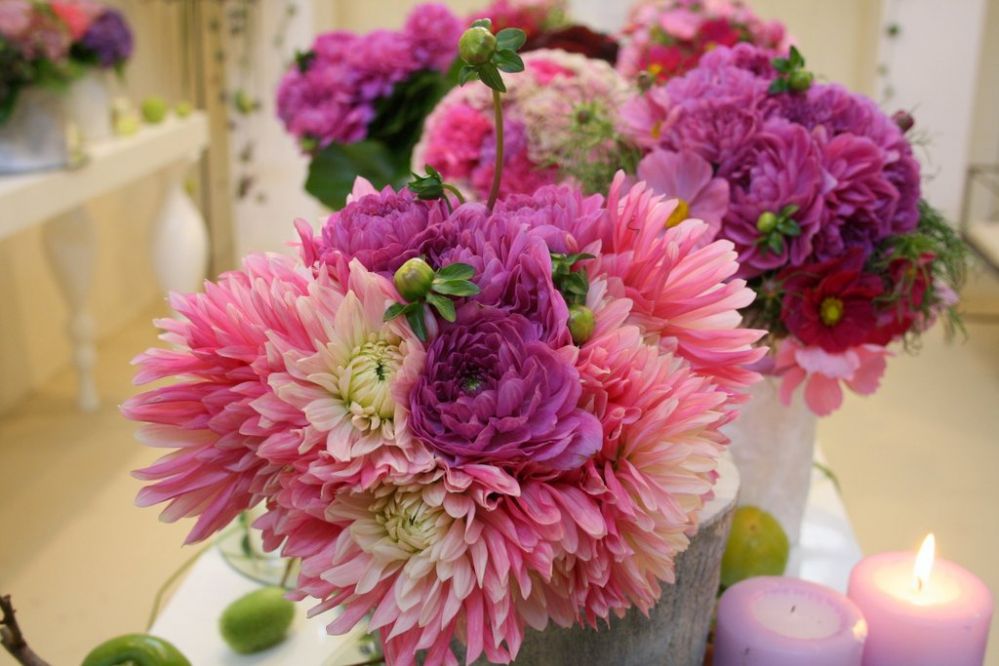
910,281
718,32
576,39
831,304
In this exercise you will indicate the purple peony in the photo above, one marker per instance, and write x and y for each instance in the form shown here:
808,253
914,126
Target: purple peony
493,393
560,214
433,32
780,167
377,229
108,39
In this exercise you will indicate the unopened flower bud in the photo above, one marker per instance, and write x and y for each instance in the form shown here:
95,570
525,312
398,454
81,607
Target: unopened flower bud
477,45
413,279
800,80
904,120
766,222
581,323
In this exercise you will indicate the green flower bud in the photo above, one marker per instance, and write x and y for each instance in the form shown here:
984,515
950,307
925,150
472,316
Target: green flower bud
766,222
413,279
581,323
477,45
800,80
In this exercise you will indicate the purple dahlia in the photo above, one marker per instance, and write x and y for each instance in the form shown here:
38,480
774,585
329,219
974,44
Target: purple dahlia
493,392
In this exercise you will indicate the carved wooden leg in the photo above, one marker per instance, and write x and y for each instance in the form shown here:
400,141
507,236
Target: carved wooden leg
180,238
69,242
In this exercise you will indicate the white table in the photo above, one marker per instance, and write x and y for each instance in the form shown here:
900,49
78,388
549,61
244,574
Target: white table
57,200
827,553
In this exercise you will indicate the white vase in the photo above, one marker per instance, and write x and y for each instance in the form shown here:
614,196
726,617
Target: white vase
36,135
89,105
773,446
180,239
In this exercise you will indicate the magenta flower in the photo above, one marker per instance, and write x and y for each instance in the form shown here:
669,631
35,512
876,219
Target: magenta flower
494,393
688,179
780,167
433,30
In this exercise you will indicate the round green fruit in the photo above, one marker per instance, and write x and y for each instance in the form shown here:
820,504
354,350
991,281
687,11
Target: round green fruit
183,109
257,621
154,109
135,650
757,546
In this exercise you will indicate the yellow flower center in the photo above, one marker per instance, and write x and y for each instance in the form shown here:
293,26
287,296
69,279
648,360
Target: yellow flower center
655,69
657,129
408,521
831,311
679,214
365,384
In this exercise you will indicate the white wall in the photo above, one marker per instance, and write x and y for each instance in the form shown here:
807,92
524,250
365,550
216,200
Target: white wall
932,70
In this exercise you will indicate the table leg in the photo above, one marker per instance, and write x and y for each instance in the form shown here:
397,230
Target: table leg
71,249
180,238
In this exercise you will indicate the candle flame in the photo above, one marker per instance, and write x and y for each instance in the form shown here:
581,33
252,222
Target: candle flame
924,563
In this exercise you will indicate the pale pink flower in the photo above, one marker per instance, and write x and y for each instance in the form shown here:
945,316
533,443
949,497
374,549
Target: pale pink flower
689,179
351,383
208,417
821,372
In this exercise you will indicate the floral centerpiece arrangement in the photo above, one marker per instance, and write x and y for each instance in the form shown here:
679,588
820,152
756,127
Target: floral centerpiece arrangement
666,38
356,103
465,419
52,43
820,192
560,122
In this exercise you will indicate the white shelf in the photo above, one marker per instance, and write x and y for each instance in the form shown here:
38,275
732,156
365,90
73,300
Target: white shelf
29,199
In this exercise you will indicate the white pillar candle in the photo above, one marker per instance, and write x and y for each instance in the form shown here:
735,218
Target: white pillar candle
771,621
920,612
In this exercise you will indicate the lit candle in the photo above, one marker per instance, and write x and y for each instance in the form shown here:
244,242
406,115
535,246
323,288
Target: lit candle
920,612
771,621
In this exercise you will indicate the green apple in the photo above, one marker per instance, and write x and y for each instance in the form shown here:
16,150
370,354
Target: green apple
257,621
154,109
757,546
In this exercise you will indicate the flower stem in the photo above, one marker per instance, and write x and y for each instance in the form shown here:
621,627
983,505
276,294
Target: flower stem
498,169
455,191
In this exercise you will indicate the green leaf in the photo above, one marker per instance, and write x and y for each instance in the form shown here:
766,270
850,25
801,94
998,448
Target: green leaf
483,23
455,288
456,271
333,170
789,210
443,305
416,323
789,227
578,256
777,86
510,39
782,65
467,73
508,61
491,77
393,311
797,61
303,59
775,243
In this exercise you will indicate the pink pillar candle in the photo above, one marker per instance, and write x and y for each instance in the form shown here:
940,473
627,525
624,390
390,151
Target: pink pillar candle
772,621
942,618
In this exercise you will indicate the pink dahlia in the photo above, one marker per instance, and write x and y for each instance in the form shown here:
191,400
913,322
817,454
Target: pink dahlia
210,417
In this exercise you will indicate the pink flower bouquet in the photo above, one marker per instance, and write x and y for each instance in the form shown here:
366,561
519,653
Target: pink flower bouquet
52,43
356,103
820,193
560,122
666,38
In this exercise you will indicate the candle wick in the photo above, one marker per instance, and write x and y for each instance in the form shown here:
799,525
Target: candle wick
794,608
919,584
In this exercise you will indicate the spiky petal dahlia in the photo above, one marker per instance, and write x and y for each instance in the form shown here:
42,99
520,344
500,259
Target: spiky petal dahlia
500,474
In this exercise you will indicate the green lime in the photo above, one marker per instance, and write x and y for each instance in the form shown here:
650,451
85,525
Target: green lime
257,621
757,546
135,650
154,109
183,109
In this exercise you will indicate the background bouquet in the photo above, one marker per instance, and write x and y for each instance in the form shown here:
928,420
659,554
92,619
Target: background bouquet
820,192
666,38
356,103
52,43
560,121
